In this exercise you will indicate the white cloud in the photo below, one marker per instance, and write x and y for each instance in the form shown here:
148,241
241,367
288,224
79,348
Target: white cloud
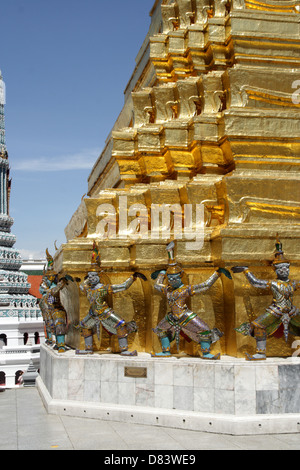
83,160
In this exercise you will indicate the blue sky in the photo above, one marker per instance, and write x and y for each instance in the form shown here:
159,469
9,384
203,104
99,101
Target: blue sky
65,64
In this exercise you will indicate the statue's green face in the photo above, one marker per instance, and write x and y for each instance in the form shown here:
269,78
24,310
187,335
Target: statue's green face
175,280
45,284
51,278
282,271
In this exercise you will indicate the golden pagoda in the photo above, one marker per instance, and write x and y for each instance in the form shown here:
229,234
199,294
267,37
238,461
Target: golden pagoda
210,118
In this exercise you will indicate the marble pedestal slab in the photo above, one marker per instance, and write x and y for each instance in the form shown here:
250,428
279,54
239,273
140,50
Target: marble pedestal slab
230,396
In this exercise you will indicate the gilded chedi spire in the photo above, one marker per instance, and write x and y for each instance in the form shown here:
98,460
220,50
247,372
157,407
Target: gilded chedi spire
210,117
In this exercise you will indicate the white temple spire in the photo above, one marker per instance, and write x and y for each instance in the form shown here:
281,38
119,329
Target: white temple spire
19,310
2,121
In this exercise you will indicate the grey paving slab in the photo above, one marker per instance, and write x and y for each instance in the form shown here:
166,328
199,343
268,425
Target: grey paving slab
25,425
9,443
144,438
192,440
90,434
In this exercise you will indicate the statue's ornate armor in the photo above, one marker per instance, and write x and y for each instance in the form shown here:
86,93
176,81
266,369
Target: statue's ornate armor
49,324
181,320
55,308
280,312
100,312
55,316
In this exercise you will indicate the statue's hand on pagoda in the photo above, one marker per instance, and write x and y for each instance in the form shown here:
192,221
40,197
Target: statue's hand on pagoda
156,273
239,269
140,275
225,272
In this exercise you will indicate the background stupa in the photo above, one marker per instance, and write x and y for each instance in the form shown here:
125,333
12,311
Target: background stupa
21,322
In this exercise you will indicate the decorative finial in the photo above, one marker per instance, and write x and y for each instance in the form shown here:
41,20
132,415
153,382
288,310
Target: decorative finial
96,262
279,257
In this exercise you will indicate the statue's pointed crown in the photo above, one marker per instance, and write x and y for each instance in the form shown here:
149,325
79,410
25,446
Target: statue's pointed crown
50,264
173,266
279,257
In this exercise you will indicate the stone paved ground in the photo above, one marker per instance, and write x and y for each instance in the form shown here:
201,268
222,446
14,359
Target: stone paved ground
25,425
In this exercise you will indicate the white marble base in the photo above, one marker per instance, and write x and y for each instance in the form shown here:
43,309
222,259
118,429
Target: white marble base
230,396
